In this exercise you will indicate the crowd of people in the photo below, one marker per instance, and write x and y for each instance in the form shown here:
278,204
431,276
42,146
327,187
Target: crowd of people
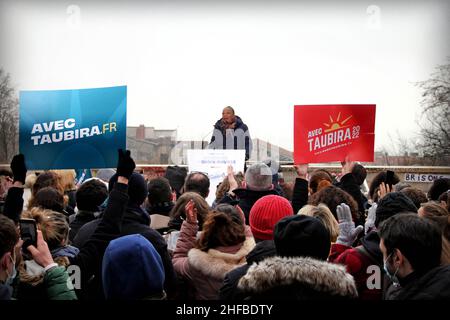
120,236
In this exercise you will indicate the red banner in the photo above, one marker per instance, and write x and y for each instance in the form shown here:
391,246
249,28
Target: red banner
327,133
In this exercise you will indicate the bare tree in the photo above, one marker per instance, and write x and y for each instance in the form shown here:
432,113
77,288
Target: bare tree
8,118
435,117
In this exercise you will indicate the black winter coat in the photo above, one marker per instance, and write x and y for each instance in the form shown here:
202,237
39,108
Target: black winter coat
240,129
433,285
229,290
79,220
13,204
90,257
135,221
299,194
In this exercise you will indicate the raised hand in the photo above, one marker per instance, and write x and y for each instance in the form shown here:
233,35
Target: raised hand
191,212
302,170
384,190
347,166
41,254
18,168
347,231
231,179
125,164
371,216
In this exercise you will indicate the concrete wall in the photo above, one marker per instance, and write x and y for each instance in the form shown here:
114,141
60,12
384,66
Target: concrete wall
404,173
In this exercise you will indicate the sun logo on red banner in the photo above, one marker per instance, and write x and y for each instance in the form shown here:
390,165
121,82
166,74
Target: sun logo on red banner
336,125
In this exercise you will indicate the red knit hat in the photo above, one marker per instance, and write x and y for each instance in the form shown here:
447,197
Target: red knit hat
265,213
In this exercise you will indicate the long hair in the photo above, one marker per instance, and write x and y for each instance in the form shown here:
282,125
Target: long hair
332,197
53,225
178,214
46,179
320,178
67,179
221,229
439,215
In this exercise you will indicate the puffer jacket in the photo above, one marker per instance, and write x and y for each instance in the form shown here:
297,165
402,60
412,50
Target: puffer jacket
205,271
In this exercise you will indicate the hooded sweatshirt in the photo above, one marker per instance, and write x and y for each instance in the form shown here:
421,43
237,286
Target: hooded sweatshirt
132,269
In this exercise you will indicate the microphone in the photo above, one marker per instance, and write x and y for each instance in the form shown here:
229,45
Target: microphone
205,137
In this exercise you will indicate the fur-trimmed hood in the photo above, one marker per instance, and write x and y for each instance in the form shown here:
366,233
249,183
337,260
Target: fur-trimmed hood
217,264
309,277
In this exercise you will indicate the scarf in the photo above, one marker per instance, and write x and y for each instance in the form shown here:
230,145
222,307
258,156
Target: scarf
225,125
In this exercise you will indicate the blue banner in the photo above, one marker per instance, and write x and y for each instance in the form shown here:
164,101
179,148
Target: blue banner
72,129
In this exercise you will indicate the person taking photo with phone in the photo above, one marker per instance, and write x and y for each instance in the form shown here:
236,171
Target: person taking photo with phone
55,279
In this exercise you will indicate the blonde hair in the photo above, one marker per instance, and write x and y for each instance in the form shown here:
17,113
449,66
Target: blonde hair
30,180
53,225
67,178
323,213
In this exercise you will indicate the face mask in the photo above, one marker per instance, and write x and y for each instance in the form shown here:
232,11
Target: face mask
13,275
391,276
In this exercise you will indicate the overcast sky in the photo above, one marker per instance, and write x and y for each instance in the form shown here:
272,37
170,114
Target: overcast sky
183,61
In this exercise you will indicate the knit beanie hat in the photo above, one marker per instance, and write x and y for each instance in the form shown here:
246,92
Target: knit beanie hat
265,213
302,236
137,188
132,269
393,203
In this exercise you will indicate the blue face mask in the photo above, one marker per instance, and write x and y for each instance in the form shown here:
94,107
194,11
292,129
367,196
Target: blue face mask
392,276
13,274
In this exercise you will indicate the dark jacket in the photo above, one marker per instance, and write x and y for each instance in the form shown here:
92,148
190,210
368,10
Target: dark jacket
89,259
220,131
358,260
79,220
229,290
299,278
135,221
159,216
5,292
433,285
85,232
349,185
14,204
299,194
247,199
161,208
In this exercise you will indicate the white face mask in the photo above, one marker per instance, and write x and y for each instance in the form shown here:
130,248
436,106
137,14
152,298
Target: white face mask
13,274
